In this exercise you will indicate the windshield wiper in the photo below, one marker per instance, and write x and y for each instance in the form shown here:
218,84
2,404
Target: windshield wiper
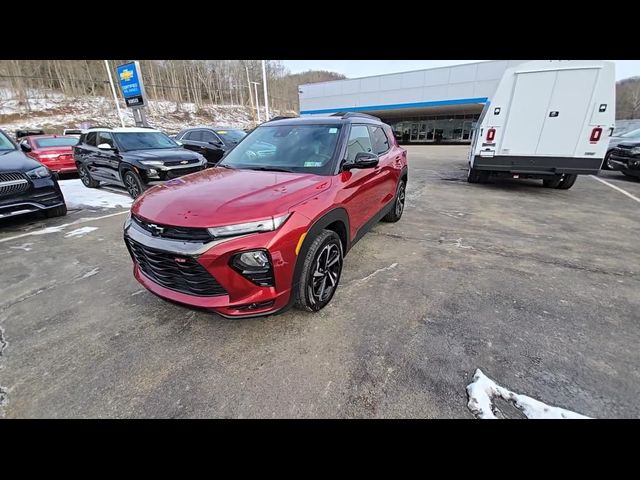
270,169
225,166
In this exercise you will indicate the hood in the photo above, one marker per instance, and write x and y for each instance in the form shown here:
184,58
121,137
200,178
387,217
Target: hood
16,161
221,196
163,154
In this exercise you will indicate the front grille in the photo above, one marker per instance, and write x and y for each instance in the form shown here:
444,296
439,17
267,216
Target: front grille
173,271
175,163
187,234
13,183
179,172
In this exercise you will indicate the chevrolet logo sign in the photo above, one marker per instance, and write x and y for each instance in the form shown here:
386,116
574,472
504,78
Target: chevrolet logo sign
184,162
126,75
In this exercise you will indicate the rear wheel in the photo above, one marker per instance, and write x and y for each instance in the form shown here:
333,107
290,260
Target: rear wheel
477,176
320,272
60,211
398,205
563,182
85,176
133,184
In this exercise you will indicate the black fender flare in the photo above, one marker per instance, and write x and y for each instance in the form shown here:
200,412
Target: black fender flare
337,214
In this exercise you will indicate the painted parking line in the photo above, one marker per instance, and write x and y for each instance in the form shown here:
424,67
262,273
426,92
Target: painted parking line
59,228
624,192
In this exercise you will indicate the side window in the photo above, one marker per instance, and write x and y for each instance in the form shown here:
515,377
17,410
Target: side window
379,140
359,141
91,139
196,136
105,137
208,136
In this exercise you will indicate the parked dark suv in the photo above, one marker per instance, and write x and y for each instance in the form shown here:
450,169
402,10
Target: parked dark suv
132,157
625,157
269,226
26,185
212,142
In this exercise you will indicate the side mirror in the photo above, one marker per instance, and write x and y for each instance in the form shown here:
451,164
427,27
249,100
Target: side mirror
179,143
25,147
362,160
105,146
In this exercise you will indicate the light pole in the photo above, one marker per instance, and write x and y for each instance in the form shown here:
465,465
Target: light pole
264,85
113,89
255,88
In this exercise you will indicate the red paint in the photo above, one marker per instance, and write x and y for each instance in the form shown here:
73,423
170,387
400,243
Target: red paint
56,159
219,196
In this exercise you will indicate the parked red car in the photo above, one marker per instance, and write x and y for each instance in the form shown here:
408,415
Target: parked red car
269,226
54,151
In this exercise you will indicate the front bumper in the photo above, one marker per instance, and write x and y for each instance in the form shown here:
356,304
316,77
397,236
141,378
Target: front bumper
628,164
241,297
43,194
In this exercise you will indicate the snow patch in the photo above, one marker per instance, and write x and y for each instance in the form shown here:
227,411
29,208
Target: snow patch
482,391
80,232
76,195
90,274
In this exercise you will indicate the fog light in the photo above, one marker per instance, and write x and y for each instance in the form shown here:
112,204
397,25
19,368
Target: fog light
255,265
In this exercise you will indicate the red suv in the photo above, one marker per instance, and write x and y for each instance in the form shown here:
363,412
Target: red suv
269,226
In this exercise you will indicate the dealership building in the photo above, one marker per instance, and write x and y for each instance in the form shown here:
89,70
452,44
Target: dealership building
436,105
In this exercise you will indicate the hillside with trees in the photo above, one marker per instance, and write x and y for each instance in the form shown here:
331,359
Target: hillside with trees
628,99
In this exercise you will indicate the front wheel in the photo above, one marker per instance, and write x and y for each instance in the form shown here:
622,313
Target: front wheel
605,163
398,205
320,272
133,184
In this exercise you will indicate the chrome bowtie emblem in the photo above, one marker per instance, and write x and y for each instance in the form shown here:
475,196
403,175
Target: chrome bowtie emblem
155,229
183,162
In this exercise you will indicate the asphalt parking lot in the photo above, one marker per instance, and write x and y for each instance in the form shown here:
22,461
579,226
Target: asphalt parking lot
539,288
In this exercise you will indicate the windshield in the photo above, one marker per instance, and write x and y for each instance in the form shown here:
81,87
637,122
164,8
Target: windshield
231,136
294,148
55,142
144,141
5,143
632,134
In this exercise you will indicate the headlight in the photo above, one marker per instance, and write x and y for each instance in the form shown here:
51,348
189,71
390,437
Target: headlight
635,151
40,172
266,225
127,221
154,163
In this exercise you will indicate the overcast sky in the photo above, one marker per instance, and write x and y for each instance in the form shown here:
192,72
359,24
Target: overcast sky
364,68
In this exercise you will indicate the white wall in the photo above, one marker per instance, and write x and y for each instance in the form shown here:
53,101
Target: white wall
474,80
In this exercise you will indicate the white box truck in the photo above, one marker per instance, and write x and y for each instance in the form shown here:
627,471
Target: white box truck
548,120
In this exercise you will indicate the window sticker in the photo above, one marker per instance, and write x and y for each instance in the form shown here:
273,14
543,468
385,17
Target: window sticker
333,130
312,164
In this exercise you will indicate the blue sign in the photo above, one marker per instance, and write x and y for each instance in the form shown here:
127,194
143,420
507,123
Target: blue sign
131,83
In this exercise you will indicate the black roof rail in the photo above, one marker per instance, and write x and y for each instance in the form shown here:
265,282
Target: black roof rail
281,117
354,114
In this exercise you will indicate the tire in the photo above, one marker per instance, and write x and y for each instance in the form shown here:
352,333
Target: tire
86,178
552,182
605,163
60,211
568,181
398,205
311,293
477,176
133,184
563,182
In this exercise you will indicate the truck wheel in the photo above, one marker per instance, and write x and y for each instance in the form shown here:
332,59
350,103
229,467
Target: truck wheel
552,182
605,163
320,272
568,181
477,176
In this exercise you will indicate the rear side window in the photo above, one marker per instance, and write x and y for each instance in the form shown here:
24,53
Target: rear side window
359,141
195,135
379,140
208,137
91,139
